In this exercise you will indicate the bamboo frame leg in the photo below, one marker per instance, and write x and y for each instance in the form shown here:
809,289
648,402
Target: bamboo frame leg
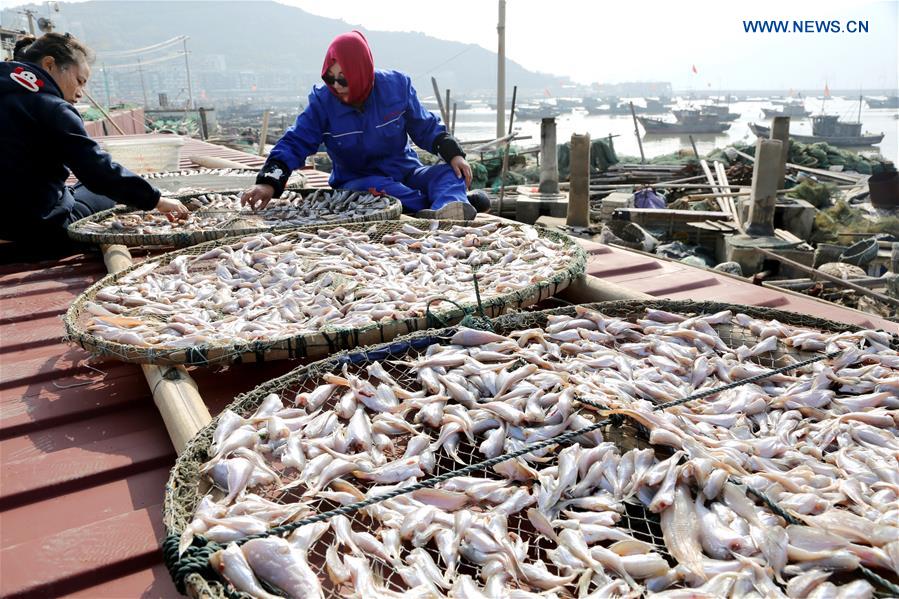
174,392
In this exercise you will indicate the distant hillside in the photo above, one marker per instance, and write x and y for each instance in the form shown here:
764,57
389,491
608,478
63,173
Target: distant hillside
278,43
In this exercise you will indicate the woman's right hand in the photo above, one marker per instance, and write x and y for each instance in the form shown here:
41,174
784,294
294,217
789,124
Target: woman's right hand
258,196
173,209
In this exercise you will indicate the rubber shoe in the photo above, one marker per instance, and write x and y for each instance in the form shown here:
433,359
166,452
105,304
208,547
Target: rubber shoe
457,211
426,213
480,200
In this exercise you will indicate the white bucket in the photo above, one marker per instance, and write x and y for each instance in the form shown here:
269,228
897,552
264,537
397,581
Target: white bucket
150,154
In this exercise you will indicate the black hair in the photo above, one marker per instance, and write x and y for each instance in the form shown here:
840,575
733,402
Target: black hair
63,47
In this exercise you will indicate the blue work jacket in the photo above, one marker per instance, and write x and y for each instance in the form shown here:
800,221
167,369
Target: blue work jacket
371,140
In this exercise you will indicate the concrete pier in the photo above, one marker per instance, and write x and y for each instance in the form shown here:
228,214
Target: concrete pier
549,162
780,130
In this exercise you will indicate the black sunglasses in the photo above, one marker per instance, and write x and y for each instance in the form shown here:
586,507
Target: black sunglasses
330,80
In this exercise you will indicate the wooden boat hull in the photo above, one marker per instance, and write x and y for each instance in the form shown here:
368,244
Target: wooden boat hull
657,126
861,140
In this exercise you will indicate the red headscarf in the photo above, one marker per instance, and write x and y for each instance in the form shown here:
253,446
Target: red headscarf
352,52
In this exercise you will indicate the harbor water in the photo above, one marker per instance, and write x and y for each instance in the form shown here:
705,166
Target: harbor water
480,123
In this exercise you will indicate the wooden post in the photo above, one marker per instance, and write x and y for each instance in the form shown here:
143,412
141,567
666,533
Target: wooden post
263,133
204,126
780,130
579,194
174,392
549,163
447,104
637,134
453,126
764,187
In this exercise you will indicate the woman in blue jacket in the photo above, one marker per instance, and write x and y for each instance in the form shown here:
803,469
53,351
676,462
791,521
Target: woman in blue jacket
365,119
42,136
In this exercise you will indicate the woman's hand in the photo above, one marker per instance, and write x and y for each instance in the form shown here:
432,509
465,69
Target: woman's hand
258,196
173,209
462,168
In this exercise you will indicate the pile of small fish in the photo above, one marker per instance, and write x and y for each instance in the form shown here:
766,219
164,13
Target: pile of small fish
217,211
218,172
821,441
271,286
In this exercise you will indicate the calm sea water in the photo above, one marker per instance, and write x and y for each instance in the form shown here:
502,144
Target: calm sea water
481,124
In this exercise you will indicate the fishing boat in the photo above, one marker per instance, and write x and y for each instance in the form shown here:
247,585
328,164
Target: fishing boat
791,109
653,106
688,121
535,112
830,129
721,112
890,102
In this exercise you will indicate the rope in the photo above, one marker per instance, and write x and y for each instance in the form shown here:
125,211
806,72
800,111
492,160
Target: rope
752,379
195,560
469,320
429,482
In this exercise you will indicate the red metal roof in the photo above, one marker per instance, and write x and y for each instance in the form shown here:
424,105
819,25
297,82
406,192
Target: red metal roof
661,277
84,455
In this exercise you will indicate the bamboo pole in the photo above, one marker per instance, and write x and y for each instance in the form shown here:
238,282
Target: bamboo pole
637,133
505,169
443,114
836,280
174,391
105,114
806,283
693,143
808,169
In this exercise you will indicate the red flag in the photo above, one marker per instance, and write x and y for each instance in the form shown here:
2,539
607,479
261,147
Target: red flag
826,90
694,69
546,93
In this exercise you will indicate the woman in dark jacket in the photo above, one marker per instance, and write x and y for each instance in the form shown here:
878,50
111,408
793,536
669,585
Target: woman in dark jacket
42,137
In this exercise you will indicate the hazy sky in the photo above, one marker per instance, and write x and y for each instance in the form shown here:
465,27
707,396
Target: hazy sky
626,40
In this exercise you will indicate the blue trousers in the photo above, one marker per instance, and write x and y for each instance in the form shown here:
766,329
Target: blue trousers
425,187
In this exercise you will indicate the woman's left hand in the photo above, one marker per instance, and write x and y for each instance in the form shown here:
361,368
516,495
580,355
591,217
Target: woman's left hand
462,168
